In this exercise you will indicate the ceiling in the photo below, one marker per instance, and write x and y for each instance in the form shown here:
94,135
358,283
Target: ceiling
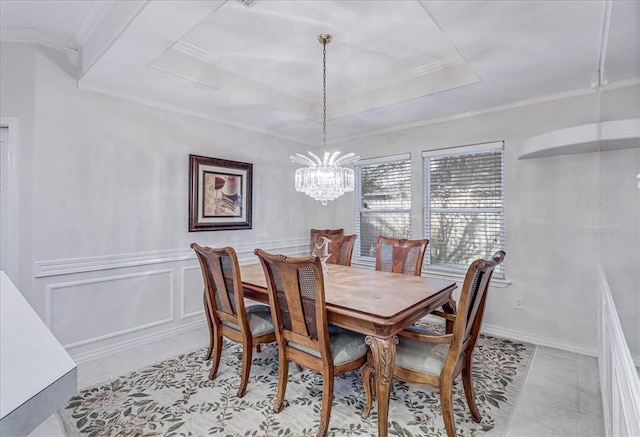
391,64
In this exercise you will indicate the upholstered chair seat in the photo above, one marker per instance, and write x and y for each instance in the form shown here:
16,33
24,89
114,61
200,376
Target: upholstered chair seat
259,318
345,346
419,356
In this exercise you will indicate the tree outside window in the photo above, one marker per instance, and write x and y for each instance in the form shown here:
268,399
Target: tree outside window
383,202
464,205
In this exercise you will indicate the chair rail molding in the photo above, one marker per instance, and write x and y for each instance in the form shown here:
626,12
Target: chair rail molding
245,250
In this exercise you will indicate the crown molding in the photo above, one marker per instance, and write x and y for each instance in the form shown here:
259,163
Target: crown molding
91,20
180,110
24,35
492,109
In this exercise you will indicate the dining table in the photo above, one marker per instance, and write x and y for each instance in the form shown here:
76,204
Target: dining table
374,303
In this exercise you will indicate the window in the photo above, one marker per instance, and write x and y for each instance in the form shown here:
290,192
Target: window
464,205
383,202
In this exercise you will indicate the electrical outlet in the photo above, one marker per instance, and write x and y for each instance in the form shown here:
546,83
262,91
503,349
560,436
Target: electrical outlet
518,303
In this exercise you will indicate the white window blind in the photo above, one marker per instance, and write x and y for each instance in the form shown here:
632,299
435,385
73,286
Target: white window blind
383,202
464,205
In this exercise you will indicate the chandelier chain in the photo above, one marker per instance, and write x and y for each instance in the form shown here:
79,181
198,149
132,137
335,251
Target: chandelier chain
324,95
324,178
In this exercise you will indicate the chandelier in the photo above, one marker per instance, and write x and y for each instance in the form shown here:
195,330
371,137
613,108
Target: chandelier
324,179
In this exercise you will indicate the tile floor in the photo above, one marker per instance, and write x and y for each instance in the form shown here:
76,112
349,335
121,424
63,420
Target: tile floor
560,397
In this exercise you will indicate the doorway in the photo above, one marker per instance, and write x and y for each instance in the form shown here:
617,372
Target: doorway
8,196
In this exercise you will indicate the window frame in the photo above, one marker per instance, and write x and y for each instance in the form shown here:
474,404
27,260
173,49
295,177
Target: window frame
493,146
368,260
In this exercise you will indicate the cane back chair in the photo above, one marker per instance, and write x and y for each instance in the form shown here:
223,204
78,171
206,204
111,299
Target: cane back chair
400,256
315,235
426,357
296,295
226,312
341,249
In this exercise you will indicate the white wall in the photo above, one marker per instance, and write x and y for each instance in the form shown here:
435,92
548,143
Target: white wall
17,98
620,200
552,218
103,237
103,241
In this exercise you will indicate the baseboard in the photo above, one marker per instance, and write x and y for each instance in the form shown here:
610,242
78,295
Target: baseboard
134,342
526,337
512,334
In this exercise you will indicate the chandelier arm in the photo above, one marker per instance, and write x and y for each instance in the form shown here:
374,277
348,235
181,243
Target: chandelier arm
304,160
346,159
332,159
316,157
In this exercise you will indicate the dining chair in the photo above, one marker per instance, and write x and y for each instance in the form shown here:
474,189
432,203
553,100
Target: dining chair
426,357
226,312
341,249
400,256
296,294
317,233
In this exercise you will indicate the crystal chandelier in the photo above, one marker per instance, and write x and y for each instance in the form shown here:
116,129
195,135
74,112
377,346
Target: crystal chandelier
324,179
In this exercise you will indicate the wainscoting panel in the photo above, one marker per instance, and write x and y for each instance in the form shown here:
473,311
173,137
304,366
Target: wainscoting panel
191,292
619,382
91,310
105,304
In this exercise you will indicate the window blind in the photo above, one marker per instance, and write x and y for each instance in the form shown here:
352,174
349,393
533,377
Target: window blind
464,205
383,202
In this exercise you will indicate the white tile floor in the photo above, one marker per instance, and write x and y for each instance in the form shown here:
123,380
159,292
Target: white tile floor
560,397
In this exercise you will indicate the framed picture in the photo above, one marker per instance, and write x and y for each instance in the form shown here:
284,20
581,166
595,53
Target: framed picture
220,194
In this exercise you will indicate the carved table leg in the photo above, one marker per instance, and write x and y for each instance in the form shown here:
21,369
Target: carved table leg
383,352
449,308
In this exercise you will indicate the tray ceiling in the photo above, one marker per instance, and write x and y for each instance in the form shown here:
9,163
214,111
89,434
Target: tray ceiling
391,64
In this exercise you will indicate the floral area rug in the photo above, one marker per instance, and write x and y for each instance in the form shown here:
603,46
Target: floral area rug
176,398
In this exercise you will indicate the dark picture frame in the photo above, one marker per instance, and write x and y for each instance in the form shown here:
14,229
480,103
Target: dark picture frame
219,194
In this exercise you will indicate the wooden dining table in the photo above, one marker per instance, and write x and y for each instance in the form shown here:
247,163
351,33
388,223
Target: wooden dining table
376,304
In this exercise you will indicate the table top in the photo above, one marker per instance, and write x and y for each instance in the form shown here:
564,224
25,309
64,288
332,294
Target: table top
380,295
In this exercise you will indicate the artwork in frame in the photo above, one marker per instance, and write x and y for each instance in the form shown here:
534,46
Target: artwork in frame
220,194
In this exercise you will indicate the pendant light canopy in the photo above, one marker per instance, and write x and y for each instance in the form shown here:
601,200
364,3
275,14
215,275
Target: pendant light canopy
324,179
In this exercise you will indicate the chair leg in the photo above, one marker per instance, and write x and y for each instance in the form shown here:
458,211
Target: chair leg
467,382
327,403
210,325
216,343
446,403
283,375
247,350
367,376
449,308
258,348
